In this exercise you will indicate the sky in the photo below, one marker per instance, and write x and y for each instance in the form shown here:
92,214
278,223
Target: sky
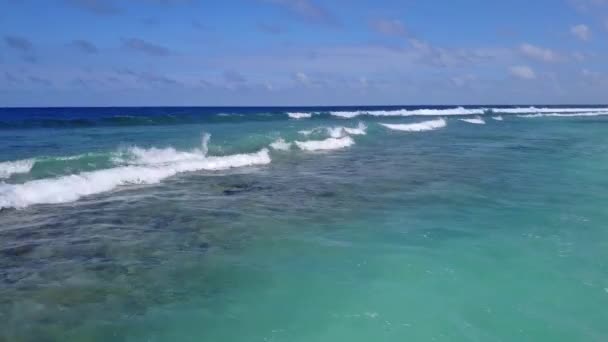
302,52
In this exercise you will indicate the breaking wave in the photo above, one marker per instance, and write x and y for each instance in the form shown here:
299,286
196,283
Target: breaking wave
325,145
462,111
497,118
417,127
412,112
298,116
338,132
477,121
361,129
308,132
524,110
280,145
9,168
538,115
148,166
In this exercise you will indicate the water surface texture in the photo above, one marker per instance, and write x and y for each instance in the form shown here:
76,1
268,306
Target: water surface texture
304,224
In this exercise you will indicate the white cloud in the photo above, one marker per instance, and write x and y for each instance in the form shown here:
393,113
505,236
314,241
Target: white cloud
581,31
302,78
588,5
389,27
579,56
308,10
538,53
463,81
522,71
589,73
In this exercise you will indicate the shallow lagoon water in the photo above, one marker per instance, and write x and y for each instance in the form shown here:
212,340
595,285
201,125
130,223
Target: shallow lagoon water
468,232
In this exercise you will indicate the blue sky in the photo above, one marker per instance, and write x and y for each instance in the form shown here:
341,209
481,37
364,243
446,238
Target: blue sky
302,52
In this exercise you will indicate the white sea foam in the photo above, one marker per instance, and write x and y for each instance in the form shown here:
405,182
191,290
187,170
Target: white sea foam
75,157
462,111
9,168
476,120
229,114
417,127
325,145
497,118
413,112
309,131
156,165
524,110
338,131
361,129
158,156
298,116
280,145
539,115
347,115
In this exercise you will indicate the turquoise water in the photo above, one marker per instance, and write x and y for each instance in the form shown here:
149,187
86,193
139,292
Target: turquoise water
460,232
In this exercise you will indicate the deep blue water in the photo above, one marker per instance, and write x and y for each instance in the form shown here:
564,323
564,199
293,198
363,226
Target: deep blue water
74,117
304,224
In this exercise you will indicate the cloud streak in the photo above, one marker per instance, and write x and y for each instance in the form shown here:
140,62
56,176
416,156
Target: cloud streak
307,10
148,48
538,53
582,32
523,72
19,43
389,27
149,78
84,46
99,7
269,28
23,46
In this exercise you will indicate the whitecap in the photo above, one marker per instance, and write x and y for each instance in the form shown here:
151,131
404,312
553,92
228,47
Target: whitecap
417,127
497,118
412,112
155,165
463,111
347,115
280,145
308,131
340,131
476,120
9,168
361,129
325,145
566,115
336,132
524,110
157,156
298,116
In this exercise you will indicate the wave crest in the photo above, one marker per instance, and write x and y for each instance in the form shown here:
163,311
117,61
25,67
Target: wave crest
9,168
325,145
562,115
417,127
412,112
298,116
154,166
476,120
280,145
524,110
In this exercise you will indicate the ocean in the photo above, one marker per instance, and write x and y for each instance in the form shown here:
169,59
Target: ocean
474,223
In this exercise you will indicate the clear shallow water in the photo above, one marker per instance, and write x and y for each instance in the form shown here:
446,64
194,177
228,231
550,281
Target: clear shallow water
467,231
